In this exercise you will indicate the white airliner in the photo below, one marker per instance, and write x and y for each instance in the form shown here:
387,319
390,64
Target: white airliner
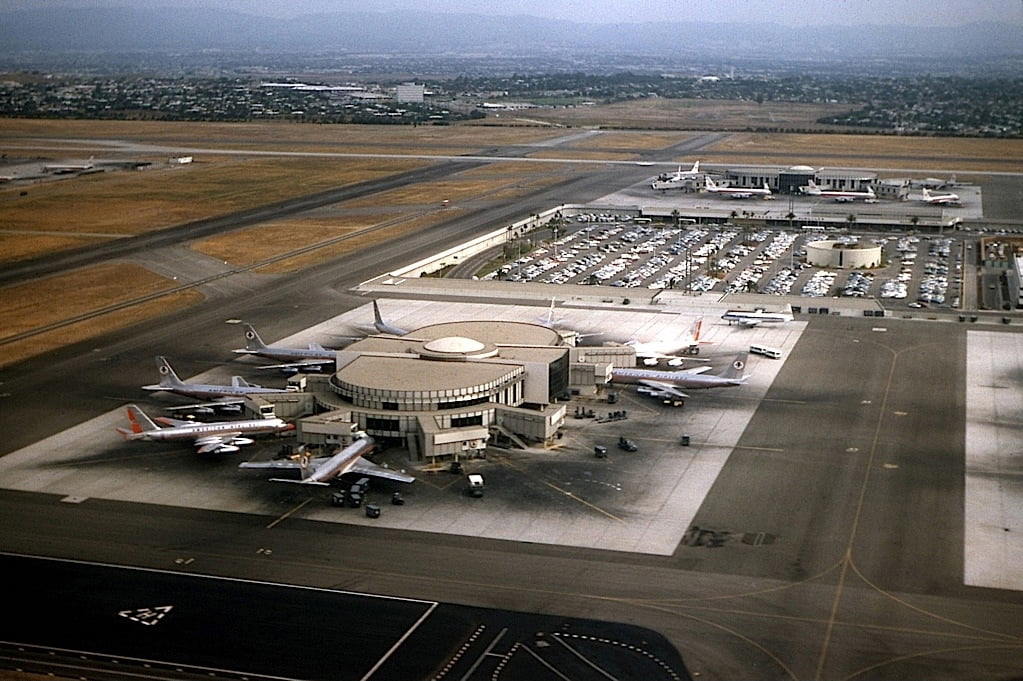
320,471
222,437
837,194
757,316
676,180
713,187
313,358
223,397
950,199
668,385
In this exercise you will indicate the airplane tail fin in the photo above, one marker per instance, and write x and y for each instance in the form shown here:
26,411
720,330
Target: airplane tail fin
168,379
376,313
317,347
252,339
239,382
696,167
140,423
737,368
710,183
927,193
694,330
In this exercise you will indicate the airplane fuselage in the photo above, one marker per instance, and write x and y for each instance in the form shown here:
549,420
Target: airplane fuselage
198,430
679,379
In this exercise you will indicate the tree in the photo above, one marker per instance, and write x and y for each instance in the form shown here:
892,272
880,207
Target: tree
851,219
675,215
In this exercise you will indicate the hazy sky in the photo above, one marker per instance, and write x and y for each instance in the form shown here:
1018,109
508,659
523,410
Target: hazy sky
791,12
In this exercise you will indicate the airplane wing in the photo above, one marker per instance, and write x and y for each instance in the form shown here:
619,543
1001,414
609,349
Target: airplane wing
364,467
749,324
697,370
663,389
282,464
167,421
216,443
224,402
318,363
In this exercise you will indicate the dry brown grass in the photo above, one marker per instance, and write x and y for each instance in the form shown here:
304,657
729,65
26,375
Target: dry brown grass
74,333
918,152
257,243
20,246
854,162
369,238
132,203
431,192
628,140
272,134
512,169
694,114
584,155
45,301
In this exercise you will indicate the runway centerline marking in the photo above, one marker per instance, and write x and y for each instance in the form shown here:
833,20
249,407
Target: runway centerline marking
289,513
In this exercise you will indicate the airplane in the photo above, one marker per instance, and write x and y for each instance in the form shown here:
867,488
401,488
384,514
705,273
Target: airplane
226,397
665,385
736,192
938,183
222,437
950,199
383,327
677,179
65,168
669,349
379,326
759,315
839,195
314,358
321,470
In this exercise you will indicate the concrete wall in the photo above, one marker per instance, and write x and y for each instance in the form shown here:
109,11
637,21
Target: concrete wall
824,254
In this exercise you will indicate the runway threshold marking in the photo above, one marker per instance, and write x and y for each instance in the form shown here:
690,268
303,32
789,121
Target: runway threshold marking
289,513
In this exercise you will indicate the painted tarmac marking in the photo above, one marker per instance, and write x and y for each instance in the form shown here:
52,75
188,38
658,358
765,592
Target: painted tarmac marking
147,616
289,513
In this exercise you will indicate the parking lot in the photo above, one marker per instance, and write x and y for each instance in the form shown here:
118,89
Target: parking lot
918,271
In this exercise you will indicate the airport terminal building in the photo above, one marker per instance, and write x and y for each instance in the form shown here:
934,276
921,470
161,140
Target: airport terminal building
446,390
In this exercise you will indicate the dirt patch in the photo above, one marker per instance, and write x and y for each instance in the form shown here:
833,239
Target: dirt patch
696,114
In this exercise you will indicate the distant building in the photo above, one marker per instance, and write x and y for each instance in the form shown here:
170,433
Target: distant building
410,92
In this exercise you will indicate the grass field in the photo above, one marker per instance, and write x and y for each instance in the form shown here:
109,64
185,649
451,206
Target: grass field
29,306
630,140
584,155
135,202
270,134
921,152
694,114
432,192
367,238
257,243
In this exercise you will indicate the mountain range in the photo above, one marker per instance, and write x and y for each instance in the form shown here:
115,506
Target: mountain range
190,28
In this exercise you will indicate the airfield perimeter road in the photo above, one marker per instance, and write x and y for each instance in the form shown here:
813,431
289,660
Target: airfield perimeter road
853,464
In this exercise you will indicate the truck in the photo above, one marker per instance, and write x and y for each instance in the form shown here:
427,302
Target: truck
476,486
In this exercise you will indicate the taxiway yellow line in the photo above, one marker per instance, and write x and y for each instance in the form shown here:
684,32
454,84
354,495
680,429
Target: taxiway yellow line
289,513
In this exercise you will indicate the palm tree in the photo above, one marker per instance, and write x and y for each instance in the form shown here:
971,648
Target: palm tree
675,215
851,219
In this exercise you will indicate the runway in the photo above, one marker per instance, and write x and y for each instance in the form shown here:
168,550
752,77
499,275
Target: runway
89,617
